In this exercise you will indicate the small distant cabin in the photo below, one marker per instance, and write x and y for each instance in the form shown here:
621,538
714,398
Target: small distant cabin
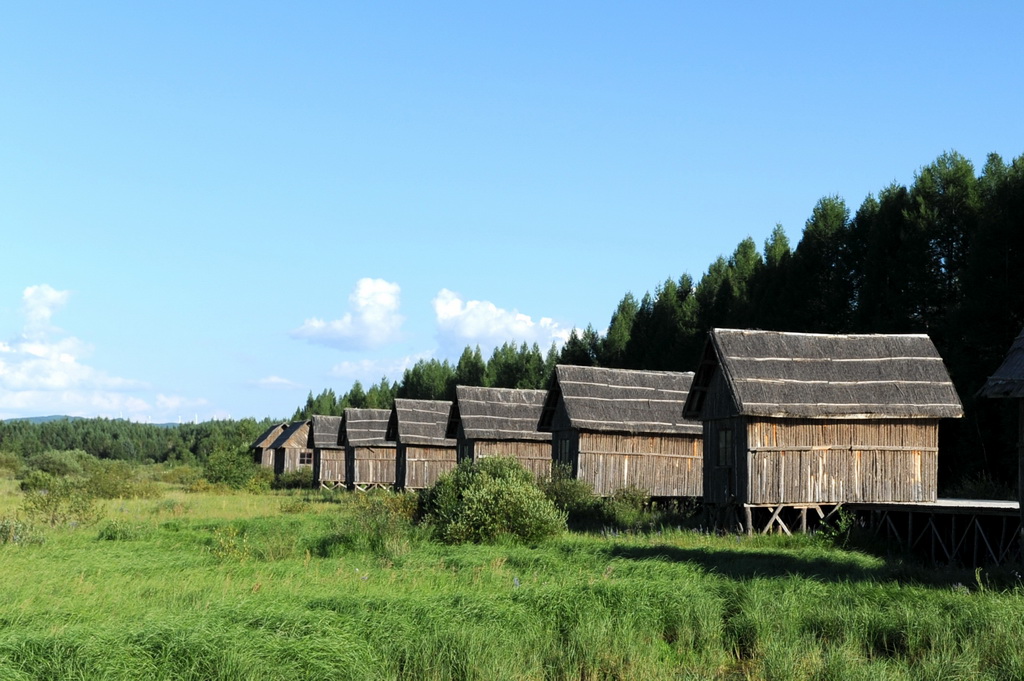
328,451
262,447
369,455
291,448
500,422
1008,383
618,428
422,452
811,419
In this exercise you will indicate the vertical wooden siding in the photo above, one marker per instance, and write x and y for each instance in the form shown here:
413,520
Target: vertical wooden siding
661,465
835,461
371,466
419,467
534,455
329,466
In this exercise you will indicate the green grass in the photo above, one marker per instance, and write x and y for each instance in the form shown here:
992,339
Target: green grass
278,587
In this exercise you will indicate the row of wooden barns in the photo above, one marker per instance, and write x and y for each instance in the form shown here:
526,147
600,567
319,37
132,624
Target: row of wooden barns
767,418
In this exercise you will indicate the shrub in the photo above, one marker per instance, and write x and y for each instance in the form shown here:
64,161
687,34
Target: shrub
482,501
625,509
260,482
109,479
300,479
59,501
119,530
183,475
68,462
231,467
574,497
11,462
16,531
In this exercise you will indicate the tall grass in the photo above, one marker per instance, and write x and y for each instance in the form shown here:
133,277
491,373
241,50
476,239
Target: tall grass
345,587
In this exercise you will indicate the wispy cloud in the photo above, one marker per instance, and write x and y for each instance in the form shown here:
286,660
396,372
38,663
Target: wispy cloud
480,322
276,383
372,321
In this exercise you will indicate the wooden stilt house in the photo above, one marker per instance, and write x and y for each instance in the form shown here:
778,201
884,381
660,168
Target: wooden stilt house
804,419
369,455
422,452
1008,383
500,422
291,448
328,451
262,447
618,428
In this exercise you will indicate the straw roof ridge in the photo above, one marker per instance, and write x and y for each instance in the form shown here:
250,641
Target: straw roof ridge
621,400
1008,379
268,436
365,427
785,374
294,436
325,432
420,422
496,414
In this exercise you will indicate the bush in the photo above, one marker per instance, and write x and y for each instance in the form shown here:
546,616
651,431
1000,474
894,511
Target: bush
183,475
69,462
109,479
231,467
260,482
574,497
16,531
119,530
625,509
482,501
59,501
300,479
11,462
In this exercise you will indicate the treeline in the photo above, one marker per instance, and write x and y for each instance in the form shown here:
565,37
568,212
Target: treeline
510,366
127,441
942,256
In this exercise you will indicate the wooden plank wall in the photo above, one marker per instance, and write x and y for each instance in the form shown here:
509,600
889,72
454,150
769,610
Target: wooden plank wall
287,460
371,466
423,465
661,465
329,466
724,484
834,461
534,455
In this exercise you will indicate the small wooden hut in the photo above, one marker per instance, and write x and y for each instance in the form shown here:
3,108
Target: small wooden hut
1008,383
423,452
262,447
328,451
369,455
802,420
618,428
500,422
291,448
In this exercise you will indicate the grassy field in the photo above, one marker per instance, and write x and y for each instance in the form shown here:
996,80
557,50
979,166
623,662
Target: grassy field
197,586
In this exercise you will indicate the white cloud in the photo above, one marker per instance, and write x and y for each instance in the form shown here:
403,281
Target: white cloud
42,371
276,382
173,403
370,371
372,322
482,322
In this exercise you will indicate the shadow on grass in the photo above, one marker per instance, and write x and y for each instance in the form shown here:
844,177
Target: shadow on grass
752,563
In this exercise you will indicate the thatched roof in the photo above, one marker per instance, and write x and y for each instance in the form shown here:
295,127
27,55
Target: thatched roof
294,436
1008,380
497,414
806,375
620,400
366,427
268,436
325,432
420,422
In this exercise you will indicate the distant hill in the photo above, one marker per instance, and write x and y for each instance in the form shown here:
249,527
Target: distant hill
47,419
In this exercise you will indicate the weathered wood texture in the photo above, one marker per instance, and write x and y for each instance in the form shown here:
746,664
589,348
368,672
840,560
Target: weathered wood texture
660,465
329,467
419,466
291,450
534,456
371,466
789,461
263,447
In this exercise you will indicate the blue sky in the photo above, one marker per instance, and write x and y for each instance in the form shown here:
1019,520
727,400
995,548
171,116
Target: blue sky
210,209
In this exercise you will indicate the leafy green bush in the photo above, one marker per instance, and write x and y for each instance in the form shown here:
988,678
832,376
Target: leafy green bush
482,501
231,467
626,508
300,479
119,530
261,481
574,497
58,501
183,475
16,531
11,462
109,479
70,462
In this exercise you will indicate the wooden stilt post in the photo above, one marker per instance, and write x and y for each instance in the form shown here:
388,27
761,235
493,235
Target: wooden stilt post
748,518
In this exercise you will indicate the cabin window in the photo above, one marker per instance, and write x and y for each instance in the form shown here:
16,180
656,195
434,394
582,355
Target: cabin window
725,447
564,445
306,458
